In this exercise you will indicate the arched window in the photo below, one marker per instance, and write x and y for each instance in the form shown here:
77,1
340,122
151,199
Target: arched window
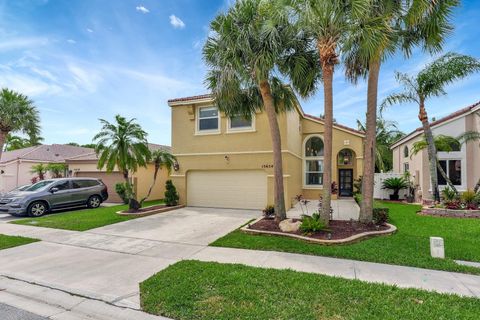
345,157
313,155
405,151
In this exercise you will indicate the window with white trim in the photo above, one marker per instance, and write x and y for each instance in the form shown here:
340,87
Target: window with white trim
240,123
313,154
208,119
453,169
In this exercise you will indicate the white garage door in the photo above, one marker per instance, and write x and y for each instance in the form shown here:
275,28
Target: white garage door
243,189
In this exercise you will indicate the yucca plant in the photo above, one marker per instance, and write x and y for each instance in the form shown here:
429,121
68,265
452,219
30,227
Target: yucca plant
396,184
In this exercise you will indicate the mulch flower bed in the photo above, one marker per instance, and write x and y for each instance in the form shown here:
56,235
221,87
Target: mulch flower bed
338,229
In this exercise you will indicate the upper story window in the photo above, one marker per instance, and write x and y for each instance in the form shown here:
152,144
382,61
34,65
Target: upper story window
208,119
241,123
453,169
405,152
313,165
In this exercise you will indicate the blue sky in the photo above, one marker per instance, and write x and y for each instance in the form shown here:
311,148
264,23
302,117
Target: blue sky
81,60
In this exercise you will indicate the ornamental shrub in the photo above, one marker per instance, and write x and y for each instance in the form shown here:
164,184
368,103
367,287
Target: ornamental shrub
380,216
171,194
312,223
121,190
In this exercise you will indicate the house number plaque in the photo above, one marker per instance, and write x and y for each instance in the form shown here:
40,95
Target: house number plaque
266,166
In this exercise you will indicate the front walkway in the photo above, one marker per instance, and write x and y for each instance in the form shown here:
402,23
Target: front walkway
343,209
108,263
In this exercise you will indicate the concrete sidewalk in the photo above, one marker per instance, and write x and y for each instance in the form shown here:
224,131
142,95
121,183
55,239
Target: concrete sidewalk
406,277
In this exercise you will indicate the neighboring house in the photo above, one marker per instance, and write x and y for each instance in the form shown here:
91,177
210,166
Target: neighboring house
15,166
462,166
227,162
85,165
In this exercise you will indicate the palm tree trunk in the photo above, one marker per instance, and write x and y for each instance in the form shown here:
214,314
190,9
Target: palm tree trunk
155,173
3,139
477,186
444,175
132,202
328,70
280,211
431,150
366,208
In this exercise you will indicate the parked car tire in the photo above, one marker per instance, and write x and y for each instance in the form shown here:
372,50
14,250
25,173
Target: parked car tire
37,209
94,202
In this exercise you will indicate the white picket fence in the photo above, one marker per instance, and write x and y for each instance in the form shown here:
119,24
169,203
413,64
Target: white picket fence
380,193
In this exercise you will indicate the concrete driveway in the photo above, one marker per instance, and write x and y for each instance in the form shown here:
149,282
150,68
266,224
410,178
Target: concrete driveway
108,263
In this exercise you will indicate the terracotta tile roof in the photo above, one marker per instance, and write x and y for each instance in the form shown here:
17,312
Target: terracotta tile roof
441,120
309,116
92,156
199,97
47,153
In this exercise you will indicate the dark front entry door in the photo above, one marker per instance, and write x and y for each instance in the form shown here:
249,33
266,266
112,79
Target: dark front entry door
345,187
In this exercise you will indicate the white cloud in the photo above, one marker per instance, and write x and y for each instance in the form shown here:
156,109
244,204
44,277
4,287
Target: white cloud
89,30
20,43
86,79
71,41
28,85
176,22
142,9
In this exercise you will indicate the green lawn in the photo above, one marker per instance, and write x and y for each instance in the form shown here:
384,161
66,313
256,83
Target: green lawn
203,290
81,220
14,241
410,246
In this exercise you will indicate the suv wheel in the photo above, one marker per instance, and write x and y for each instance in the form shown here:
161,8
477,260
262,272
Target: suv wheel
94,202
37,209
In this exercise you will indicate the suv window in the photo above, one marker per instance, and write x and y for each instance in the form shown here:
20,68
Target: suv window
84,183
64,185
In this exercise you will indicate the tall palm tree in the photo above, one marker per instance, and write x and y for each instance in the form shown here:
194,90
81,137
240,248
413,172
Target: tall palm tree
431,82
389,25
160,159
122,145
248,46
327,23
17,114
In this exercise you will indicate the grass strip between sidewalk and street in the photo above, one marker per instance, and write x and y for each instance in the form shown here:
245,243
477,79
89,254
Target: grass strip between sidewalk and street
209,290
409,246
14,241
81,220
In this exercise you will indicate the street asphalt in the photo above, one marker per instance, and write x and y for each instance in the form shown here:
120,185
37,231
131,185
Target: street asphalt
10,313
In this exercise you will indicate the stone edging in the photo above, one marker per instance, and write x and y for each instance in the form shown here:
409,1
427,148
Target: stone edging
443,212
348,240
149,213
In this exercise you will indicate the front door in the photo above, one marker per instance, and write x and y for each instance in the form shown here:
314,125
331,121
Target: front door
345,185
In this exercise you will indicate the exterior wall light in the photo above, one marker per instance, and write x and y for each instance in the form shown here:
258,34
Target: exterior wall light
176,166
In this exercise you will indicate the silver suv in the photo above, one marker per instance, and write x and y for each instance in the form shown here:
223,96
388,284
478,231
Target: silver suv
48,195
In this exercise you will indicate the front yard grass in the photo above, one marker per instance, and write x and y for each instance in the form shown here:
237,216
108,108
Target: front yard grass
81,220
206,290
409,246
14,241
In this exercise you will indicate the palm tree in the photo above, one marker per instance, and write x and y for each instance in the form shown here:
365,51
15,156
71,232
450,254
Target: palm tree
387,133
428,83
122,145
160,159
389,25
248,45
57,170
39,170
17,114
447,144
326,22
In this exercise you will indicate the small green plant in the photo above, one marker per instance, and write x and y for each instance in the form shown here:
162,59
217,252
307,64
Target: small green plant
357,185
312,223
121,190
358,198
269,212
380,216
171,194
396,184
468,197
448,194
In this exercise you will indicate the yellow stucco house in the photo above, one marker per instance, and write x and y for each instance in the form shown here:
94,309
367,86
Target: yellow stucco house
227,162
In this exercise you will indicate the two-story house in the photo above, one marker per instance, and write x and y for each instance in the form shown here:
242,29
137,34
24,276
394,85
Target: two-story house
462,166
227,162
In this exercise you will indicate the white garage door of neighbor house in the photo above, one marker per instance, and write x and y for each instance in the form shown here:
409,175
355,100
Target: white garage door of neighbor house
242,189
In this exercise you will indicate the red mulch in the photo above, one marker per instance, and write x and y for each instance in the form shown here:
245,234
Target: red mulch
160,206
337,228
